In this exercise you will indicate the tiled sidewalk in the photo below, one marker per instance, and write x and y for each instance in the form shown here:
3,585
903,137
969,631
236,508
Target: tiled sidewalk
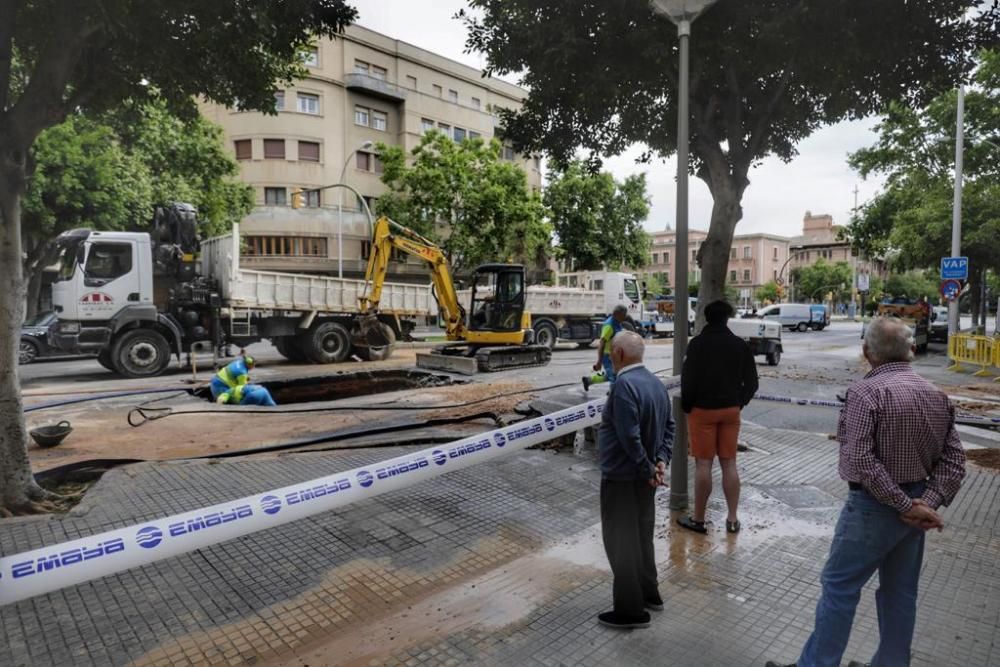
498,564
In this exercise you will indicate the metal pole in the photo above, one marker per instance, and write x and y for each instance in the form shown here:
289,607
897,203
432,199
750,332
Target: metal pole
679,462
340,218
956,211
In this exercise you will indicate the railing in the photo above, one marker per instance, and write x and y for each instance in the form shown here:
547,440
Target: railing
981,351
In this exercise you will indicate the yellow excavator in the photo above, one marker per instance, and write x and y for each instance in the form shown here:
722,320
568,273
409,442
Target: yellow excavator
498,335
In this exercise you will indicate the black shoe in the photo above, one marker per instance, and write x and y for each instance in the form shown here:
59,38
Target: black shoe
613,620
772,663
586,382
654,604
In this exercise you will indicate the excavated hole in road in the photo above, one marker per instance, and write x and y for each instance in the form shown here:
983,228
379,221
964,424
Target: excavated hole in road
347,385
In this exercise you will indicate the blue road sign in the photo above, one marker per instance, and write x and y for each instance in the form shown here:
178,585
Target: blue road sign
950,289
954,268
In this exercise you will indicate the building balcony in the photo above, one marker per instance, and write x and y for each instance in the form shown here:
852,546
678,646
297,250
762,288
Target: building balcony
375,87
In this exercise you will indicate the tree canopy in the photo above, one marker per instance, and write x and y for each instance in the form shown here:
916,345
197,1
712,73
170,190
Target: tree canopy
58,58
465,197
813,282
909,222
769,291
764,76
597,219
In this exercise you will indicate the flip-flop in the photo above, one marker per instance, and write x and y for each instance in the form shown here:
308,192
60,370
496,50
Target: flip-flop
733,526
691,524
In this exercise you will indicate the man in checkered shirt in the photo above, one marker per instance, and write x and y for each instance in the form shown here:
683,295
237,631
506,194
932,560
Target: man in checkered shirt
902,458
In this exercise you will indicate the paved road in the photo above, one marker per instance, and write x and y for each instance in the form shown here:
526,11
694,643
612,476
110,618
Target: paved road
816,365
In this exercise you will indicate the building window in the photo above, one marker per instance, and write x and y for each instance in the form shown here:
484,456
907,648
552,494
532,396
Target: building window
746,275
444,127
285,246
364,161
274,149
732,276
437,90
426,125
312,198
279,100
377,164
746,252
666,257
694,255
275,197
361,116
732,253
308,151
476,103
656,258
508,153
775,252
411,82
308,103
244,149
474,135
380,120
538,163
379,73
311,57
453,96
459,134
361,67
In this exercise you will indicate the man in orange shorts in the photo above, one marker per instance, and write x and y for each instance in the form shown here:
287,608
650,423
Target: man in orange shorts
719,378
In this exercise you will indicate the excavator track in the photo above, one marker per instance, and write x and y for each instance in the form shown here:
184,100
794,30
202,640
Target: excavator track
502,358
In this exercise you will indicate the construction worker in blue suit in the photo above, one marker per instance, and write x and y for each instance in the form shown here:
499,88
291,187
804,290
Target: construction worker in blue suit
231,385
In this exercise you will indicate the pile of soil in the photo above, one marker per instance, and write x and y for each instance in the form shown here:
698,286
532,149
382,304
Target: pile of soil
986,458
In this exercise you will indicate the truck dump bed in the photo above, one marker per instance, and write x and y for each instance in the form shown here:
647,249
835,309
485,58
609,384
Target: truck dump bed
565,301
272,290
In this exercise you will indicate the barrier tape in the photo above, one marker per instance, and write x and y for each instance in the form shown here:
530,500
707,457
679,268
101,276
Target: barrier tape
30,573
25,575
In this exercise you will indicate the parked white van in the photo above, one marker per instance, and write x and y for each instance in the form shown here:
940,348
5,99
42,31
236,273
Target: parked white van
794,316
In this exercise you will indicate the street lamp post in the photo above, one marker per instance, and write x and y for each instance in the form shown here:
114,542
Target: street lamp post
682,13
956,211
340,208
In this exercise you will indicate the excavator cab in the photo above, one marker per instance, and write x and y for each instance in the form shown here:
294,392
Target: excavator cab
497,298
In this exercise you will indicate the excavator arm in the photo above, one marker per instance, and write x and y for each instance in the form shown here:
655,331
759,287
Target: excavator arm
389,235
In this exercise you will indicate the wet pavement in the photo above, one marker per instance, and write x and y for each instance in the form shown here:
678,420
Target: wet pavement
497,564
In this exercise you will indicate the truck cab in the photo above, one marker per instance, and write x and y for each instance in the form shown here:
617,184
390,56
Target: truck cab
105,281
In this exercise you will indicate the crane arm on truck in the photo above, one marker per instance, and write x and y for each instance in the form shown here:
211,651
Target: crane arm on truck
412,243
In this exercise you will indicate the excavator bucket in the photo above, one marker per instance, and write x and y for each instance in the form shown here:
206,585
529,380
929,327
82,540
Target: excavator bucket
372,331
451,363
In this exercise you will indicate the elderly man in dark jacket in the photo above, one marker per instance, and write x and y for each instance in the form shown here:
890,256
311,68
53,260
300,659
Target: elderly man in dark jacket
718,379
634,444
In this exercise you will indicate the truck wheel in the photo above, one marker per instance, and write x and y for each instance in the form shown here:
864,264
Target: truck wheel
104,359
381,352
326,343
288,347
802,327
773,358
546,334
140,353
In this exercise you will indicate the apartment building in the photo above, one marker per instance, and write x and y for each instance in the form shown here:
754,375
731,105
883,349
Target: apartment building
821,240
363,88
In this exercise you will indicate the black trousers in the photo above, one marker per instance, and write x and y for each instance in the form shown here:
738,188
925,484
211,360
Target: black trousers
627,517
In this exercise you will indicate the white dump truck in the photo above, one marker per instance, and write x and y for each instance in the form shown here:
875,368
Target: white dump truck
574,314
136,299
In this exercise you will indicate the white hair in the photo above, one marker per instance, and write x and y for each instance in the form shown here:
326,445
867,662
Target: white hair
888,340
630,343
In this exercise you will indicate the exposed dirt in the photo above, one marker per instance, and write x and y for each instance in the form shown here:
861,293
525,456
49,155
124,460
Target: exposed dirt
986,458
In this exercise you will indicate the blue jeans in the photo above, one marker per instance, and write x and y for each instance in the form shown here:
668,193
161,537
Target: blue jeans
869,537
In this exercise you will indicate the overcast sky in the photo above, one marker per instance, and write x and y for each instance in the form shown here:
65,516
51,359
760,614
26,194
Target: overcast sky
818,180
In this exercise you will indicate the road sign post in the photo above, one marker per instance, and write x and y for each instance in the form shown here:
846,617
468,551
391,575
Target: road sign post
950,289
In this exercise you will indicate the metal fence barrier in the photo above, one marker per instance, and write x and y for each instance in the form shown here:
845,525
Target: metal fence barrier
974,350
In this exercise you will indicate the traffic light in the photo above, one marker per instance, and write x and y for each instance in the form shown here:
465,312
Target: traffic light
298,198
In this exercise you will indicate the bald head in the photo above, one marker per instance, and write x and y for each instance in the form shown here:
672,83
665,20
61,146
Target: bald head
627,348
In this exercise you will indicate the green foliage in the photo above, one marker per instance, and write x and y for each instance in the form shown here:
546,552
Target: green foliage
603,76
767,292
913,284
465,197
599,220
655,286
813,282
910,220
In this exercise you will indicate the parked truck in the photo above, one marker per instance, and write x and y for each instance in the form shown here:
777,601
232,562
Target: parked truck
575,314
137,299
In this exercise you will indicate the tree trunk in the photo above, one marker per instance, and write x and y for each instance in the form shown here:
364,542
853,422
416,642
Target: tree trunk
713,256
18,489
974,297
34,282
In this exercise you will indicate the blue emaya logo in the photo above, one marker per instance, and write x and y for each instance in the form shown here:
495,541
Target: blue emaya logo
148,537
